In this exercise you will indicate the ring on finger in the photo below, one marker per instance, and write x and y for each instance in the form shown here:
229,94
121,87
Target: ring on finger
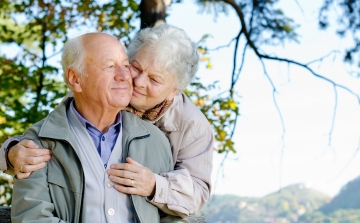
21,169
132,182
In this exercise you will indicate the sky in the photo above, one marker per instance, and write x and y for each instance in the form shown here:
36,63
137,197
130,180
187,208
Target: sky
306,102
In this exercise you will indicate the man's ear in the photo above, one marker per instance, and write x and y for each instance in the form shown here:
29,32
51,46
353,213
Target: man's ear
74,78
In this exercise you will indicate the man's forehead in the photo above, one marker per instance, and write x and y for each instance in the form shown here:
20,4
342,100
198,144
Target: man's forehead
100,40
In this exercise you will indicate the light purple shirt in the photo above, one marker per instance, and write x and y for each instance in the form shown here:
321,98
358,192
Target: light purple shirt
104,143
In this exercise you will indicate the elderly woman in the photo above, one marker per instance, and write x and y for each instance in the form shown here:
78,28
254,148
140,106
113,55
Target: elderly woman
163,62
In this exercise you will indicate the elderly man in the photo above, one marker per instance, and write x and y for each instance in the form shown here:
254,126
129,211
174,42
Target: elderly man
86,135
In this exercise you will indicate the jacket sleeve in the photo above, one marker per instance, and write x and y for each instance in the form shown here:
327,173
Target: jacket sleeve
186,189
31,201
4,167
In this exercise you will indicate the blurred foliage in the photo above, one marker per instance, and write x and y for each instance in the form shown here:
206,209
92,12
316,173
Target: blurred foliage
347,14
221,111
6,187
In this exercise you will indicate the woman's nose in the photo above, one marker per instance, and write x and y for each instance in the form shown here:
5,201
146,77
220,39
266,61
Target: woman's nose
139,80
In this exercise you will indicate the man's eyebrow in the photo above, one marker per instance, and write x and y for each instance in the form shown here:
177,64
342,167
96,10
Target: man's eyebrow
125,60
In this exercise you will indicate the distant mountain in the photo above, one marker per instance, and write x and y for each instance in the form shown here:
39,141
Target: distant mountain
282,206
348,198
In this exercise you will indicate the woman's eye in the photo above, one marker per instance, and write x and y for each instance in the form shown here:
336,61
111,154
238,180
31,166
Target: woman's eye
152,79
111,66
135,68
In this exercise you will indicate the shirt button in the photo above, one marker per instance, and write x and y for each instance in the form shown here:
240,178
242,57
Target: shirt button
103,138
109,184
111,212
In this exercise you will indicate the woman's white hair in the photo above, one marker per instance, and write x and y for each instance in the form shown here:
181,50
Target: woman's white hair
172,50
73,56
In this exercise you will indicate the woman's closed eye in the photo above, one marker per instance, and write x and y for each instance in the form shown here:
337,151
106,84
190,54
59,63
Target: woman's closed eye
154,80
134,67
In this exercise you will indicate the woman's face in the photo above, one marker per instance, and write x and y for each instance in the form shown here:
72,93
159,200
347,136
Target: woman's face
151,87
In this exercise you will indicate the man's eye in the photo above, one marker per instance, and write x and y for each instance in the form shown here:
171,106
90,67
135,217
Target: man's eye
111,66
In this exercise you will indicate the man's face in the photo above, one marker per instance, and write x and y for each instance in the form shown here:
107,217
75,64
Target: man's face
108,82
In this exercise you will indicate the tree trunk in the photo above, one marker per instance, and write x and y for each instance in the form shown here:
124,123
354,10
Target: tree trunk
153,12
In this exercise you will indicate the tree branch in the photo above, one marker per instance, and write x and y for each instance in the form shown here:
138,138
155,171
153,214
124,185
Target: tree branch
223,46
242,64
334,115
263,56
234,60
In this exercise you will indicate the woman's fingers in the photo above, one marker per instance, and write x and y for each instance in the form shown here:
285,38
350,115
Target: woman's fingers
121,173
131,178
27,157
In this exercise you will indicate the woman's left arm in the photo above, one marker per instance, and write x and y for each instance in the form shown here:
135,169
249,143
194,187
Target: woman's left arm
186,189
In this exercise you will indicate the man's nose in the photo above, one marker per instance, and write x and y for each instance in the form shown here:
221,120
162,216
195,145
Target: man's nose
122,74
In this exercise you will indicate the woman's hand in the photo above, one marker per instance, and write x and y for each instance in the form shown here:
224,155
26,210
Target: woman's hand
132,178
26,157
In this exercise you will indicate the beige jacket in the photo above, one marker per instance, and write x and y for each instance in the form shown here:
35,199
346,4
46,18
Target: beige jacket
185,190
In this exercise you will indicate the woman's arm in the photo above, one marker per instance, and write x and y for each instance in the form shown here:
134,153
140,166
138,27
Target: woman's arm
186,190
4,163
25,154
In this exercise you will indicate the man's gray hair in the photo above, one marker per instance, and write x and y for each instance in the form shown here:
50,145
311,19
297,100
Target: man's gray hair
173,52
73,56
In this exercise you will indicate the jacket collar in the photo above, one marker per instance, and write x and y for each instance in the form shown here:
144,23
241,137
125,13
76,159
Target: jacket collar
133,126
56,125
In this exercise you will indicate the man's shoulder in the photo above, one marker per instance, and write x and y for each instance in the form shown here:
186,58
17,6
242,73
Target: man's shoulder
35,128
133,124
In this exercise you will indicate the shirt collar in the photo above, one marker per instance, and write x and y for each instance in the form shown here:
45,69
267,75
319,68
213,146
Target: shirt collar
116,126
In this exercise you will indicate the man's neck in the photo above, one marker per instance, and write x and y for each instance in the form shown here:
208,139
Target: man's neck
100,117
